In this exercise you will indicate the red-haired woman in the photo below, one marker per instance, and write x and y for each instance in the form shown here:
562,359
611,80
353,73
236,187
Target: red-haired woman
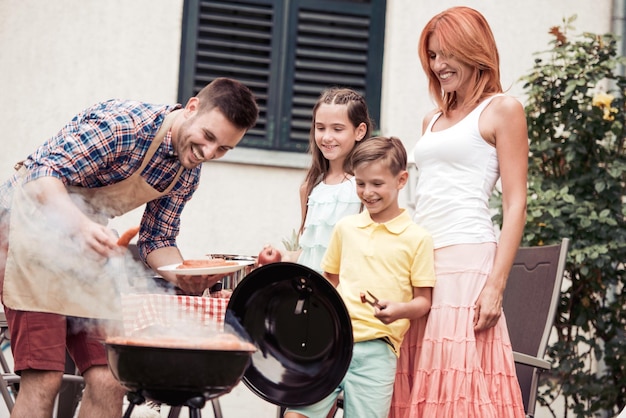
459,362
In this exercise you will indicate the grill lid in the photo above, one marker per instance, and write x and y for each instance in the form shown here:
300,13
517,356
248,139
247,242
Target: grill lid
301,329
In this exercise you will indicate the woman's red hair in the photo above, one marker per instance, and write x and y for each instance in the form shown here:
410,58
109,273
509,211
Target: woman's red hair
463,33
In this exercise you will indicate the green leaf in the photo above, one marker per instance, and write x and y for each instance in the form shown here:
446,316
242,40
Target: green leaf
600,186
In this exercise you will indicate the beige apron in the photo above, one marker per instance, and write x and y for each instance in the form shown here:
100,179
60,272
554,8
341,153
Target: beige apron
46,271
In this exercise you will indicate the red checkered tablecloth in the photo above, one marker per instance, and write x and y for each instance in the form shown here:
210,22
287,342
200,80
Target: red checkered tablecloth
140,311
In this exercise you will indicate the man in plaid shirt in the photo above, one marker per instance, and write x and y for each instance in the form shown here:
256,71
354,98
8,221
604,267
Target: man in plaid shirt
54,241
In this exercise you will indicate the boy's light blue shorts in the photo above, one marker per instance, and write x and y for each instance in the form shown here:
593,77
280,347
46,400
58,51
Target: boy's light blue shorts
367,386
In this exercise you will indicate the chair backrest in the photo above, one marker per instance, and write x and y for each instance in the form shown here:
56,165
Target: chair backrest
530,303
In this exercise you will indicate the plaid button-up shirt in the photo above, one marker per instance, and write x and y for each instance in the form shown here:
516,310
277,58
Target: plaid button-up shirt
105,144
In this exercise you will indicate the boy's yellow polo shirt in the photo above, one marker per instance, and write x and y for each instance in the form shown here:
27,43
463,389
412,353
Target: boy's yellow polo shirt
387,259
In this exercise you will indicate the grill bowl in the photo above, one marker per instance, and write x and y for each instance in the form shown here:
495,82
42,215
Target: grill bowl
175,375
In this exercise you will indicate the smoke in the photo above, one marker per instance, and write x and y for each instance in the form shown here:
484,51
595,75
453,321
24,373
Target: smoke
106,297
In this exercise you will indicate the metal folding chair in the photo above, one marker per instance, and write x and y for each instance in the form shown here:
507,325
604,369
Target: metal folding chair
530,303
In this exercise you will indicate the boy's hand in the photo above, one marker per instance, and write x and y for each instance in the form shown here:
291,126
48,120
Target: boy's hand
388,312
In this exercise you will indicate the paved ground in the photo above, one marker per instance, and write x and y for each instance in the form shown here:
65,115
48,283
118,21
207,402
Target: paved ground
240,403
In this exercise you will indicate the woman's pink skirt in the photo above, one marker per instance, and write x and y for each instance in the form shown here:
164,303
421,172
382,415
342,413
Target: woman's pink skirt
447,370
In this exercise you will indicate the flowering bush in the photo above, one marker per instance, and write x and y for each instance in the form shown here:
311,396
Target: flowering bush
603,101
577,173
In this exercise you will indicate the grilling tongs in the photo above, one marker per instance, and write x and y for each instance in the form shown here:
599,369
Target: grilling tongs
373,302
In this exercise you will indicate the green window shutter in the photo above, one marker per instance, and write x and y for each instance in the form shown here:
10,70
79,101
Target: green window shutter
331,47
230,39
287,52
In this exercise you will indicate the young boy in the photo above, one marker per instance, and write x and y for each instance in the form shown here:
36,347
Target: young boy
380,252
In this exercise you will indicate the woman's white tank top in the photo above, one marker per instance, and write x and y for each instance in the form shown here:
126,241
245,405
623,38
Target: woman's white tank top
457,171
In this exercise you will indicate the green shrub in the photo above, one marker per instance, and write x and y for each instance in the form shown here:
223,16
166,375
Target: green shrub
576,188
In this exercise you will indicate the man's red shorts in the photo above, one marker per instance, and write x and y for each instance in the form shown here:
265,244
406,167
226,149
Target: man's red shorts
39,341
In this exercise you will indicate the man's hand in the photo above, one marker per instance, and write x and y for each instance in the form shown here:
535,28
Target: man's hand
94,239
98,238
197,284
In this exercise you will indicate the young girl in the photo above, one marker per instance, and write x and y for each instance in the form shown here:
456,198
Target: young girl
340,121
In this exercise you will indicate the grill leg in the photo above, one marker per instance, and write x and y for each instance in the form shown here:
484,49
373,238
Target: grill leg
135,399
174,412
217,408
195,405
129,411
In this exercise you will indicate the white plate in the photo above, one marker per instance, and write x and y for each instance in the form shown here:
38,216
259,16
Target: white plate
207,270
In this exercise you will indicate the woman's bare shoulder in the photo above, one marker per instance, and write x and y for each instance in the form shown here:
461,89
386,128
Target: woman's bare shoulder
507,104
428,117
504,116
503,109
